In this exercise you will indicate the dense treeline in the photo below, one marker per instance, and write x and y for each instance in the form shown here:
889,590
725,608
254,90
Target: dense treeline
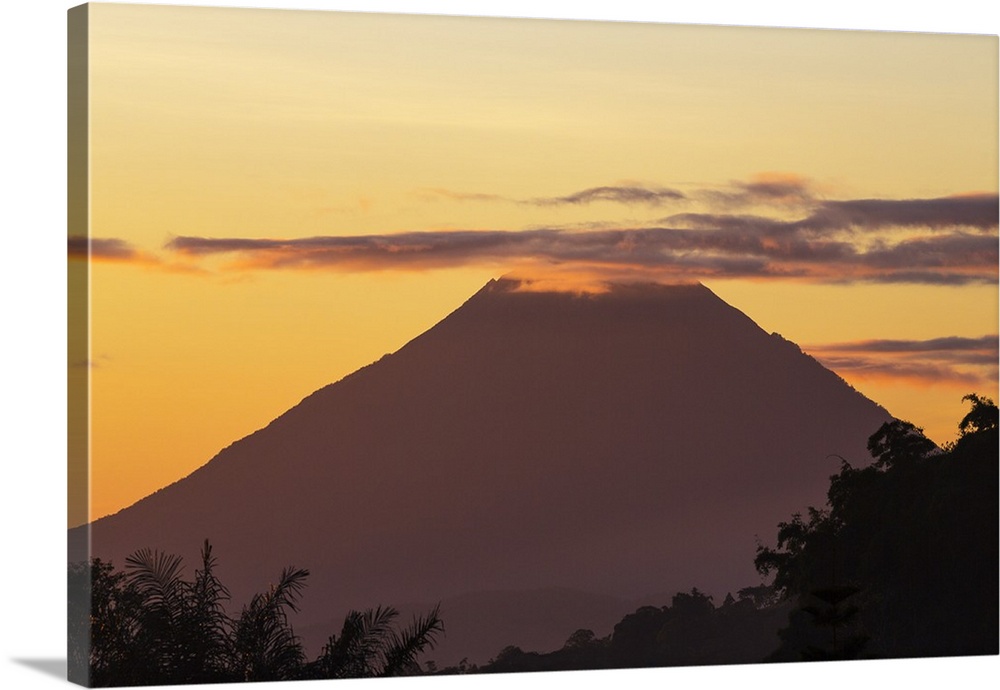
902,562
147,625
690,631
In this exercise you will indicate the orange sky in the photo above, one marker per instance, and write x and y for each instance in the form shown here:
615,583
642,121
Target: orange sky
279,198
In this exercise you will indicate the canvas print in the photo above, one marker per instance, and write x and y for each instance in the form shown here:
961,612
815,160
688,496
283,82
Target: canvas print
414,345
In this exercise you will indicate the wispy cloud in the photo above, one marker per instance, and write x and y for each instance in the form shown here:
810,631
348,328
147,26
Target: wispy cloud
787,191
973,211
951,359
101,249
651,196
777,185
979,212
949,344
912,372
618,194
95,363
115,250
429,193
766,188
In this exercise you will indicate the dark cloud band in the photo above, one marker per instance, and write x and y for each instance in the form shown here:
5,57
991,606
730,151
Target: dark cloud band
978,211
987,343
925,372
81,246
956,258
951,359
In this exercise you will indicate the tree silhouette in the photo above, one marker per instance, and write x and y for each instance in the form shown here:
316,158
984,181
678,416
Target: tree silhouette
179,627
264,646
897,441
103,617
691,630
148,625
982,417
913,536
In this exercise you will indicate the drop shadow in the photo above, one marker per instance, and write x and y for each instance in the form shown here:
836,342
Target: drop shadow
50,667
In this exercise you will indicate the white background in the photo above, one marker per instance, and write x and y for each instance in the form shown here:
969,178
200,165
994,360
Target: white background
33,331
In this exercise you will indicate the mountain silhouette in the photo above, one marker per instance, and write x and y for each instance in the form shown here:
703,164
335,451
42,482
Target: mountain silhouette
619,443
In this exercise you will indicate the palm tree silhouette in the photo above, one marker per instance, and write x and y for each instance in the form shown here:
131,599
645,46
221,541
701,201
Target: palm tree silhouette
150,626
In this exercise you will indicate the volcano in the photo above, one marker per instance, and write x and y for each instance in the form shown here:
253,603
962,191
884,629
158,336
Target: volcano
613,444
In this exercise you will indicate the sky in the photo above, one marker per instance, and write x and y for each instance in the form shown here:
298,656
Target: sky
279,198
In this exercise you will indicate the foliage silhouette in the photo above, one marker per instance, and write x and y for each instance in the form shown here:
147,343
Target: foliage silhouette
264,646
834,613
691,630
369,645
149,626
982,417
914,534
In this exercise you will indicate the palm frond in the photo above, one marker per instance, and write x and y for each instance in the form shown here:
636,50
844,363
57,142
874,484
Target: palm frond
286,593
205,624
407,645
156,577
361,649
264,645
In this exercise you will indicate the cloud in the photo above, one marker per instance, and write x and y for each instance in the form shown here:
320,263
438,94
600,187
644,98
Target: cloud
96,363
924,373
988,343
937,241
112,249
777,186
951,359
734,223
765,188
955,250
107,249
652,196
636,247
862,238
439,192
975,211
710,246
978,211
619,194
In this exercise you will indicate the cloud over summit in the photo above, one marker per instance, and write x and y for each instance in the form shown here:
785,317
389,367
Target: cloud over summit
790,235
950,240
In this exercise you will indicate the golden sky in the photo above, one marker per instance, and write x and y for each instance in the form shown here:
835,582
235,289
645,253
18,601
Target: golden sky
279,198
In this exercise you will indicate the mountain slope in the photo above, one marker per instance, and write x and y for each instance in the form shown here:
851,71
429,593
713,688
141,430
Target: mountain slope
621,443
